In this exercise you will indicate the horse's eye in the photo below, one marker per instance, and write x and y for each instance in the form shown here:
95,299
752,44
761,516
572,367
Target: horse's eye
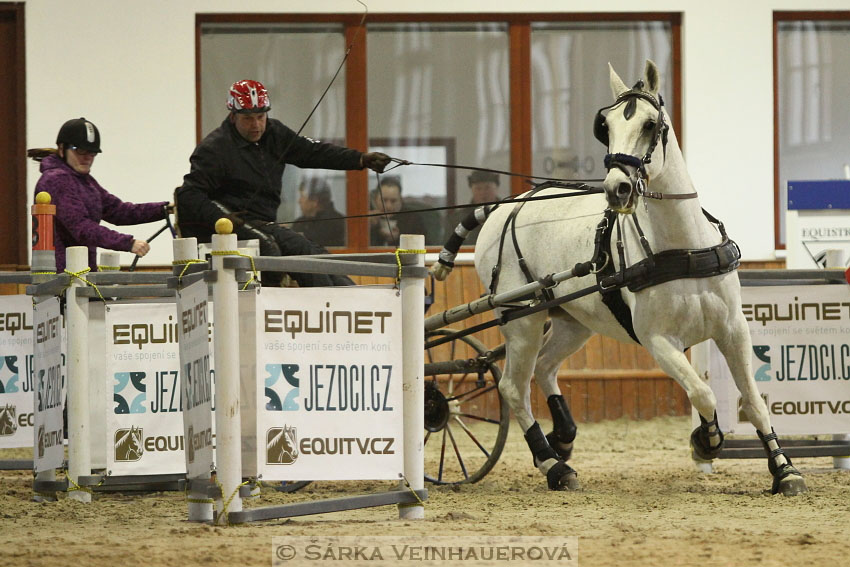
649,125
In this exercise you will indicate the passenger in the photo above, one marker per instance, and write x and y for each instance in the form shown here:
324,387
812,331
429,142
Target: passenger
81,203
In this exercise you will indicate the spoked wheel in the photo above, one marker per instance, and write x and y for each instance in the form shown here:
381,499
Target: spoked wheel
466,421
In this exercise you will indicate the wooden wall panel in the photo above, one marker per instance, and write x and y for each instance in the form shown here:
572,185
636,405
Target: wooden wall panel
604,380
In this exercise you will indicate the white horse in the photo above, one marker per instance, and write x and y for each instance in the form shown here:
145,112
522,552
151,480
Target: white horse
647,180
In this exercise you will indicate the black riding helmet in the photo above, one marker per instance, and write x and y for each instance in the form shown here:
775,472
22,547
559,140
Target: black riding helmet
79,133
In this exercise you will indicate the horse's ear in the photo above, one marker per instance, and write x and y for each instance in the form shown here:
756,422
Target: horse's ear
618,87
652,77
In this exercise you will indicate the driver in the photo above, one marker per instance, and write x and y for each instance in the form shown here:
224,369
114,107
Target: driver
236,172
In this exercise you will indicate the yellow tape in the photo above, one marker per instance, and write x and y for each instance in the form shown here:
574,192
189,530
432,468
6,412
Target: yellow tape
398,253
185,267
79,276
229,500
238,253
419,501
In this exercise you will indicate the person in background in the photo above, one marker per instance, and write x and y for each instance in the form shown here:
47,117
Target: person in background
484,187
236,172
81,203
385,229
319,220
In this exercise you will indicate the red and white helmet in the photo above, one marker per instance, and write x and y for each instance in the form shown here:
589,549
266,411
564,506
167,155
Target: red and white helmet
248,96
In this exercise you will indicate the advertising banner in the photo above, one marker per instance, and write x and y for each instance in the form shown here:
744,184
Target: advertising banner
801,360
327,399
50,386
144,420
16,384
196,377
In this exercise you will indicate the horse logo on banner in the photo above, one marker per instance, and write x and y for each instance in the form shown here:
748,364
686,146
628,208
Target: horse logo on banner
281,446
8,419
128,444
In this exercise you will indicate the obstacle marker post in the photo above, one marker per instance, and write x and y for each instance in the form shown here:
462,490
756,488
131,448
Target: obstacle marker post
413,385
228,427
43,268
77,319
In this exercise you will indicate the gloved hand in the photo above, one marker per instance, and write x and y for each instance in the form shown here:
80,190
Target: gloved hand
376,161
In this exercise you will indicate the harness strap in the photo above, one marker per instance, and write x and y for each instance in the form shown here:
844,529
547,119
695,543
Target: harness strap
678,264
511,223
613,280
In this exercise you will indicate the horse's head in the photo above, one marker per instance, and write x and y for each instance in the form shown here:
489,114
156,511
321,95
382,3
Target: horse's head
635,132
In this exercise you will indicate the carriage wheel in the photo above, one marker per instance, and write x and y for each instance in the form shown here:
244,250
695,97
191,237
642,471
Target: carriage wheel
466,420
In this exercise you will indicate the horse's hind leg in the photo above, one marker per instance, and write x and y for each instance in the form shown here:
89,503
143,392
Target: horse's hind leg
565,337
707,439
737,348
523,341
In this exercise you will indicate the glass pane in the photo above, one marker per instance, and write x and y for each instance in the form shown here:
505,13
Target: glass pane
438,93
569,83
230,52
814,118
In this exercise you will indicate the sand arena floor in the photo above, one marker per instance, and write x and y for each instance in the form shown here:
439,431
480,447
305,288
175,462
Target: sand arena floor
642,504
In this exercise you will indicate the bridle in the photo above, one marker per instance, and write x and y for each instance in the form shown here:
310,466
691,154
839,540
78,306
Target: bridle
637,176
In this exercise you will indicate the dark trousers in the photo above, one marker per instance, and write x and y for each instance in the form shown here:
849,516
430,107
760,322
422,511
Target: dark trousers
277,240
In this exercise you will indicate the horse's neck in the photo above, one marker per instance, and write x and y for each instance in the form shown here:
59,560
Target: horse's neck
676,223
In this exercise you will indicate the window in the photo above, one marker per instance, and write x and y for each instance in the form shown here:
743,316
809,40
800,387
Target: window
812,137
438,93
570,83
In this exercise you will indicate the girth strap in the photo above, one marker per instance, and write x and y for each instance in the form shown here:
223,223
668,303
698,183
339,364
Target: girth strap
678,264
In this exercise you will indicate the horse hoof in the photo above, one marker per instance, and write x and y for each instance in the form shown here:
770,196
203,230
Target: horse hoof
564,450
562,477
792,486
701,447
789,482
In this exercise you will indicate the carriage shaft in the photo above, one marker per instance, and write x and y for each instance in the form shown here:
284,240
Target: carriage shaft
493,301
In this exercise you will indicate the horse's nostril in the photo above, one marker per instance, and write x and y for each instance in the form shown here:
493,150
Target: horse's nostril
624,189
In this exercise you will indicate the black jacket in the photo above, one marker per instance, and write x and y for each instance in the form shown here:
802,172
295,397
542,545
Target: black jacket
247,177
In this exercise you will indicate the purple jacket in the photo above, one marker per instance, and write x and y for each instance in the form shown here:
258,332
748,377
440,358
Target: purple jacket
81,203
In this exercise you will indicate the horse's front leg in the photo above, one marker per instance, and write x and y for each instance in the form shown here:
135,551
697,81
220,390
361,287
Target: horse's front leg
566,337
736,347
707,439
523,340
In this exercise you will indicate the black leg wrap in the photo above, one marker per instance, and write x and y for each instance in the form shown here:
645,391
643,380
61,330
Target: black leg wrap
560,476
701,443
780,472
561,439
539,446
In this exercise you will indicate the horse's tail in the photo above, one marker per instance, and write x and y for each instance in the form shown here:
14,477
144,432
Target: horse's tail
446,261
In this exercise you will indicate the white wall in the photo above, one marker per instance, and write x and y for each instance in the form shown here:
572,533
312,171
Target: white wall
130,68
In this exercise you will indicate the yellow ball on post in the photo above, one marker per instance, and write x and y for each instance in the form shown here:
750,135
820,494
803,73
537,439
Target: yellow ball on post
223,226
42,198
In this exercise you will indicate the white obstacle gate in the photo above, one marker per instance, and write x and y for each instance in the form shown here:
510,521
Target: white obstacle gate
230,468
800,324
229,485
